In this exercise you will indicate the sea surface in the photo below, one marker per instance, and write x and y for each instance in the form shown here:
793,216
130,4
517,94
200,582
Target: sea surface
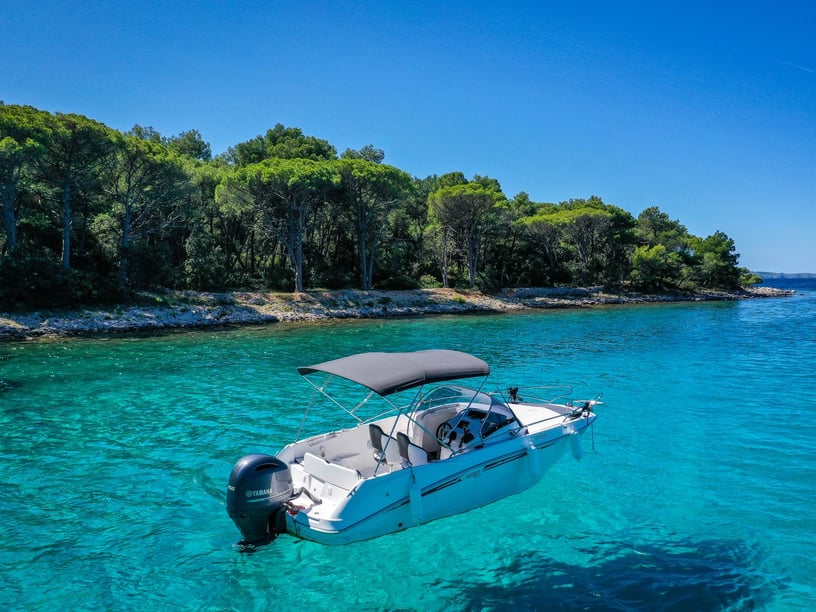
697,490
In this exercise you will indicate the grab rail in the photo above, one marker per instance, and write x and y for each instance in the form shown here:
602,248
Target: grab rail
575,409
530,394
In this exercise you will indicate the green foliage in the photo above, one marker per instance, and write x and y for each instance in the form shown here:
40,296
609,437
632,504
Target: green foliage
748,278
654,268
450,179
29,281
90,214
146,184
428,281
71,170
655,227
23,133
465,213
145,133
204,267
368,193
585,242
189,144
715,262
523,205
152,265
367,153
281,142
282,194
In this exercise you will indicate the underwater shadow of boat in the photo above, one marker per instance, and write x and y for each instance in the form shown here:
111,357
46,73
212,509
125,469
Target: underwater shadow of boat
683,575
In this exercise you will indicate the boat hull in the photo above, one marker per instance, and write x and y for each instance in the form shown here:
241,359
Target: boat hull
408,497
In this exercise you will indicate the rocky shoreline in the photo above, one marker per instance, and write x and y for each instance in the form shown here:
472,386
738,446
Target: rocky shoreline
171,310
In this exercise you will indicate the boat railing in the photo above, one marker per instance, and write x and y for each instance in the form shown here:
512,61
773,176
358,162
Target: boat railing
566,410
542,394
568,413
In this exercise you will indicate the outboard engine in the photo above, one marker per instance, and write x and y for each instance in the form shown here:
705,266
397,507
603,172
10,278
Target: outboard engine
258,486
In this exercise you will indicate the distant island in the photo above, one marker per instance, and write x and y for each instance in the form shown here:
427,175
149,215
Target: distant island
786,275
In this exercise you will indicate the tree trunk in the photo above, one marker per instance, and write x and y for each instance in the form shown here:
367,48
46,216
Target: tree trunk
370,269
362,239
9,222
66,226
472,245
125,246
295,246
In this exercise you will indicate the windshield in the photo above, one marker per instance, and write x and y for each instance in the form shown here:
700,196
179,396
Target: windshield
453,394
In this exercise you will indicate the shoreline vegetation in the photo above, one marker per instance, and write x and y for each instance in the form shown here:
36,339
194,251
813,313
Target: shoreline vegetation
177,310
106,231
92,216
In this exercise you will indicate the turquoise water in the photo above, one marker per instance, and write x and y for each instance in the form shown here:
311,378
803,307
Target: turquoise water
699,493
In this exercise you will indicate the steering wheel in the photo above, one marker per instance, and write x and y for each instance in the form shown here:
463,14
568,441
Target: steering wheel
444,430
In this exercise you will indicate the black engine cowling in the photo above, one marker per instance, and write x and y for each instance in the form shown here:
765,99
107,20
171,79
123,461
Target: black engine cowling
258,486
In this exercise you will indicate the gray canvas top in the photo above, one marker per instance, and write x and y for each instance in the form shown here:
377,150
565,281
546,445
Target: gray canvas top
386,373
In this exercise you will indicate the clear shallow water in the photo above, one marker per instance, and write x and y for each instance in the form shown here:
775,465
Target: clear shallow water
699,494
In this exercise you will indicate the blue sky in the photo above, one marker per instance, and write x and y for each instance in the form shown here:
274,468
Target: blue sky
705,109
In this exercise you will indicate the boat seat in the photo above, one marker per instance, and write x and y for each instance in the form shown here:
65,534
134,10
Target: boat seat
410,453
330,473
376,434
385,447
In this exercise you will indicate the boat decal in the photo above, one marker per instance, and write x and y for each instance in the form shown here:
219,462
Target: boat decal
504,460
477,469
443,485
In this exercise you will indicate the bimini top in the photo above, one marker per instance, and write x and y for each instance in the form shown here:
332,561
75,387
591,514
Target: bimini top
386,373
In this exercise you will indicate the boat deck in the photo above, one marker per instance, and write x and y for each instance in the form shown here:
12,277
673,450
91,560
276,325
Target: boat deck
539,416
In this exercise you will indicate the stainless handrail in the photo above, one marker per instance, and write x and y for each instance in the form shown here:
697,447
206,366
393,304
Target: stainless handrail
563,391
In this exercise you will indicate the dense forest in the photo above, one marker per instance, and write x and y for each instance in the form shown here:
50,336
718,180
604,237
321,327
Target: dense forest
91,214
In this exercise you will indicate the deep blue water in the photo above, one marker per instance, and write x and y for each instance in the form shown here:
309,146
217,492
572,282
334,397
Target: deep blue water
699,493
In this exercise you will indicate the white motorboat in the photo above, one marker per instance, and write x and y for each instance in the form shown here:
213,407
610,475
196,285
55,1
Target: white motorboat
446,450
